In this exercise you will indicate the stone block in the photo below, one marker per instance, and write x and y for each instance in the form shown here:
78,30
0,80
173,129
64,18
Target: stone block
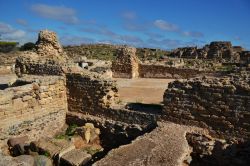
75,157
17,140
27,97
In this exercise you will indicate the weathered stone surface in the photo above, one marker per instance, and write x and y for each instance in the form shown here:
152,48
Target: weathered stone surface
220,104
17,140
27,160
87,91
48,59
50,146
155,148
125,64
75,157
42,160
162,71
23,110
219,50
23,160
48,45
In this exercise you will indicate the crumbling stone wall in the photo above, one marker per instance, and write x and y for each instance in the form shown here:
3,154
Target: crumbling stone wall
25,65
48,59
160,71
221,105
218,50
48,45
126,63
90,91
93,95
36,109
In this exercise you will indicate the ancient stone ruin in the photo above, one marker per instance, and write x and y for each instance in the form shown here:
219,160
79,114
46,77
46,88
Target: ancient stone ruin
126,63
59,113
220,50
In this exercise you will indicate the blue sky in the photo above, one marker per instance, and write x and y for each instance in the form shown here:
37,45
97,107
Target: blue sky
163,24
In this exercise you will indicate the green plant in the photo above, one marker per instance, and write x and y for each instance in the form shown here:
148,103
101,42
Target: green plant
61,136
27,46
47,154
71,130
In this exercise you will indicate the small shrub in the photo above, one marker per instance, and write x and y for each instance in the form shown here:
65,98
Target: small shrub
71,130
27,46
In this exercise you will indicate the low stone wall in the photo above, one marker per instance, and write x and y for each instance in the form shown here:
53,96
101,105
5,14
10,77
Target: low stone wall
221,105
87,91
40,67
90,94
36,109
160,71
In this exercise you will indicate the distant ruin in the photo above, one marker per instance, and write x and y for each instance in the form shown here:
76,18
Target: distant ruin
220,50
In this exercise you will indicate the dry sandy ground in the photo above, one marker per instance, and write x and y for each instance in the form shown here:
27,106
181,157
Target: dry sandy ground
6,78
143,90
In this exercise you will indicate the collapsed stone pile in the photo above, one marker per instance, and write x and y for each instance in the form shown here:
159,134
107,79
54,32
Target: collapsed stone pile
74,147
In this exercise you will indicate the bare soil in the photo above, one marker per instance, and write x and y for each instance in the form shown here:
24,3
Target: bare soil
142,90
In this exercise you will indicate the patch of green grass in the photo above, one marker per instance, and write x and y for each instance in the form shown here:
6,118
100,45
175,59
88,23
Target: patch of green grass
8,43
61,136
47,154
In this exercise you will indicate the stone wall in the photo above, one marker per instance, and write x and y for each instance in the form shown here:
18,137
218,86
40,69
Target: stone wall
160,71
221,105
48,58
25,65
217,50
36,106
90,94
87,91
126,63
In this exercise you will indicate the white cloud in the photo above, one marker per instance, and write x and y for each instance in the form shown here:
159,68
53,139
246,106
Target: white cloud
22,22
193,34
166,26
60,13
9,33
